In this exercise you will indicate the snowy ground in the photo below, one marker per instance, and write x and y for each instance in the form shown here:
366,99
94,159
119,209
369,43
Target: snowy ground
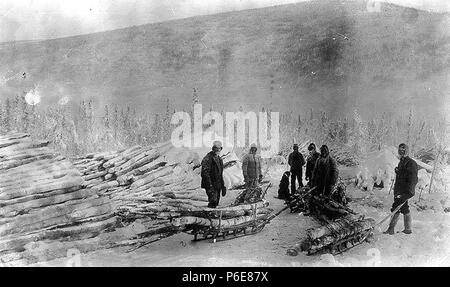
429,245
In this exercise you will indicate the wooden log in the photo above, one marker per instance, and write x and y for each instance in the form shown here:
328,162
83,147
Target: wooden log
37,196
27,181
149,167
12,139
225,223
23,154
228,212
152,176
123,158
26,207
77,232
340,228
93,182
39,169
15,163
61,214
145,156
23,146
57,184
95,175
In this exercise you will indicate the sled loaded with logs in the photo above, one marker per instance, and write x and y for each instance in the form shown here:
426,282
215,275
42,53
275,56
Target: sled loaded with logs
336,237
217,224
323,208
340,235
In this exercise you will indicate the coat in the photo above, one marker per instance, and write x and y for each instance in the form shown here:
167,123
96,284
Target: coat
310,163
212,172
296,161
325,175
251,166
406,178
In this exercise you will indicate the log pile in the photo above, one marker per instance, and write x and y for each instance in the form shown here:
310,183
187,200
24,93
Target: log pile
249,195
336,237
45,197
226,217
327,209
249,209
323,208
158,185
42,200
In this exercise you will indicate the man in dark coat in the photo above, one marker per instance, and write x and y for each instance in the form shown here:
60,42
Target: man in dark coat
296,161
404,188
283,188
212,175
325,174
311,162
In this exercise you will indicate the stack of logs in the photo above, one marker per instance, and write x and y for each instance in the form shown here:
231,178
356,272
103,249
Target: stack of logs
43,203
225,217
158,186
137,194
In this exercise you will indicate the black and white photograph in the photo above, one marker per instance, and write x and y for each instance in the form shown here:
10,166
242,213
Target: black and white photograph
225,133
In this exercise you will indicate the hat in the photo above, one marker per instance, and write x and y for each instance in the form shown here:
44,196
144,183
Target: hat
311,146
253,145
404,148
217,144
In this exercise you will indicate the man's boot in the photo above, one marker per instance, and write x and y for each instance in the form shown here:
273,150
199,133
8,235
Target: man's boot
407,222
392,224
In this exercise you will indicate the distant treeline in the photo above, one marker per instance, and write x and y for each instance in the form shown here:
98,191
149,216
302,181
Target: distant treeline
80,131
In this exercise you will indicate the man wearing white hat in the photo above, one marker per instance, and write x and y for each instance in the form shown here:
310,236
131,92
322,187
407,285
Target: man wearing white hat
212,175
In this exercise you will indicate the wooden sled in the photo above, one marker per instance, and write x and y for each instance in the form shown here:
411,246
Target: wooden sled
220,234
344,244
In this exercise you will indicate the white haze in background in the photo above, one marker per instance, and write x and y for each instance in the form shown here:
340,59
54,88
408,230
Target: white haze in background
33,98
64,101
46,19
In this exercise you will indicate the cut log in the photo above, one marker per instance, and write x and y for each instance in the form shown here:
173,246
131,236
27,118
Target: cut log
225,223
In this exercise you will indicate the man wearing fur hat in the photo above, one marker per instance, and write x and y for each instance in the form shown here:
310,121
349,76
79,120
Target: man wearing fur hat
251,167
212,175
325,174
404,188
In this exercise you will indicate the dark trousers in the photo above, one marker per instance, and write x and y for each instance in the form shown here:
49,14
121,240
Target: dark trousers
296,174
404,209
213,197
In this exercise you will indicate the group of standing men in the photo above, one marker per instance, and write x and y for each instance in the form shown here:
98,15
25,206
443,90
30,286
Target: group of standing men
212,172
321,173
321,169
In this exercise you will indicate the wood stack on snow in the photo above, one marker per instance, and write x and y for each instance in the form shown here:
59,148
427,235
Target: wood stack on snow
154,184
341,234
158,189
42,201
224,217
45,197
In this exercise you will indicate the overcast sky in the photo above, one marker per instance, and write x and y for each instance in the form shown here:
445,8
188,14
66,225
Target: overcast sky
44,19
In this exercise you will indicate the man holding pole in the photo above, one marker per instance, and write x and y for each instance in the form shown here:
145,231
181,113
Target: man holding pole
404,188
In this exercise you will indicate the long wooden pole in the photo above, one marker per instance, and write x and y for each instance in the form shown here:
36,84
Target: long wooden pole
434,169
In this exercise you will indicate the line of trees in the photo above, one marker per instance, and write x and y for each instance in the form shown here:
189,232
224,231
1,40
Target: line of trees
90,129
